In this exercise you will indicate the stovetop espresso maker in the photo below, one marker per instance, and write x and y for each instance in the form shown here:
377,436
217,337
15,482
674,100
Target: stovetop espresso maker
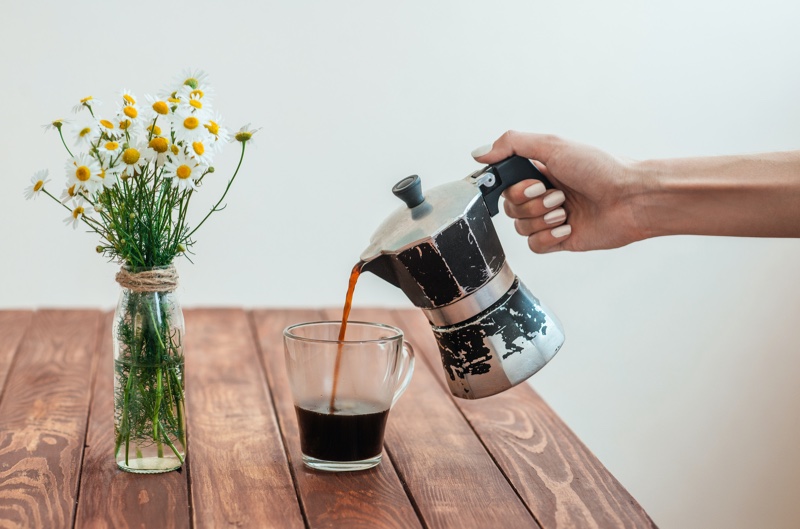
442,250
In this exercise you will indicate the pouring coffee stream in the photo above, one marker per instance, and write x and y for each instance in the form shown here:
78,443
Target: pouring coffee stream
348,304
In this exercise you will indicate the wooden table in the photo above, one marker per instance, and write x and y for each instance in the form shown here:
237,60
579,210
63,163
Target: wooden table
503,462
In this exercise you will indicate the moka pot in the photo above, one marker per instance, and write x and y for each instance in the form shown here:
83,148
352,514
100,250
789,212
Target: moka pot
442,250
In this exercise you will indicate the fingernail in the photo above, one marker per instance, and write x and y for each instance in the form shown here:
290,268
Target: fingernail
557,215
553,199
534,190
561,231
480,151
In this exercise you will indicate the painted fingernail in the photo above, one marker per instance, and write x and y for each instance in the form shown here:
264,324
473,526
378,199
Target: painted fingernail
554,199
557,215
561,231
480,151
534,190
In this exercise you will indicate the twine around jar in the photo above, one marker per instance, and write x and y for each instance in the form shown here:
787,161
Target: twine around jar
158,279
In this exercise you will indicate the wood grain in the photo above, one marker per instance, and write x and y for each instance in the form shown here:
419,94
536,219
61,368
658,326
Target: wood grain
111,498
13,325
237,465
368,499
561,481
454,481
43,416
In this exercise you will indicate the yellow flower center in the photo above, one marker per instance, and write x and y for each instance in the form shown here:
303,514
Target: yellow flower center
102,173
84,131
159,145
196,103
85,99
174,149
198,147
161,108
107,124
197,92
83,173
124,124
183,172
71,190
112,146
130,111
128,99
38,185
155,129
191,81
173,99
191,122
77,212
243,136
130,156
213,127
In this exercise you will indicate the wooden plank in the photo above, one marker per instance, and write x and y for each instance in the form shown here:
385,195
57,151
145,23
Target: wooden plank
43,417
110,498
239,473
453,480
559,478
13,324
370,499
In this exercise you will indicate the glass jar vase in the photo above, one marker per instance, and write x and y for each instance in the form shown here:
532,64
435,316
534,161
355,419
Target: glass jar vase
149,407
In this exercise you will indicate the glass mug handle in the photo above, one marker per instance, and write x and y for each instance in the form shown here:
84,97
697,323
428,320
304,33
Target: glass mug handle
405,372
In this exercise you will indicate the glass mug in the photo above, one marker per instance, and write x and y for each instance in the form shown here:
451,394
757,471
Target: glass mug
370,369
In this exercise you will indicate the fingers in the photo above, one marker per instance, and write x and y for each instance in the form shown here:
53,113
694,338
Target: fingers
549,240
527,144
538,215
520,205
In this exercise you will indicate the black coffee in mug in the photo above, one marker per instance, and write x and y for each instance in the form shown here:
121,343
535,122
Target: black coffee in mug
353,431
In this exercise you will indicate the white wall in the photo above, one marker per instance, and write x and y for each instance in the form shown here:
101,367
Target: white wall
681,363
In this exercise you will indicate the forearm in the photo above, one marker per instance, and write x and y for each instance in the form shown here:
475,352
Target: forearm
750,195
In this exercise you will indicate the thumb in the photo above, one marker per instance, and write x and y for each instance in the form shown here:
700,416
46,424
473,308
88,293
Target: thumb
532,146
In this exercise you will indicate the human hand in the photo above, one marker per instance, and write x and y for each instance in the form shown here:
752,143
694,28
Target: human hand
593,205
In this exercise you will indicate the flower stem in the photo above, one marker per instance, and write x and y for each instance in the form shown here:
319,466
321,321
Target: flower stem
230,182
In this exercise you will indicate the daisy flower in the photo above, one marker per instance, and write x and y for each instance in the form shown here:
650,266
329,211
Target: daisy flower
183,170
110,129
195,103
132,158
245,134
157,150
192,77
127,97
38,180
109,177
202,93
78,212
86,132
56,124
202,151
87,102
72,192
187,126
84,171
109,149
220,134
156,107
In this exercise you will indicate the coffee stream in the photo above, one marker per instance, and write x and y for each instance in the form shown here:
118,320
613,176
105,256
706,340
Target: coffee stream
348,303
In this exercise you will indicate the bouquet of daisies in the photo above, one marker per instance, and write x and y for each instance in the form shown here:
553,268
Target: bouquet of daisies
130,177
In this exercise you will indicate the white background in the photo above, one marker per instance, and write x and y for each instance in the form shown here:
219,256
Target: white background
681,365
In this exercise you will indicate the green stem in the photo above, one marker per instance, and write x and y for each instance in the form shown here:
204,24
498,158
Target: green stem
65,143
230,182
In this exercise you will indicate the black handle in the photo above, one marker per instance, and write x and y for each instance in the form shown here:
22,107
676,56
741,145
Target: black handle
507,173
